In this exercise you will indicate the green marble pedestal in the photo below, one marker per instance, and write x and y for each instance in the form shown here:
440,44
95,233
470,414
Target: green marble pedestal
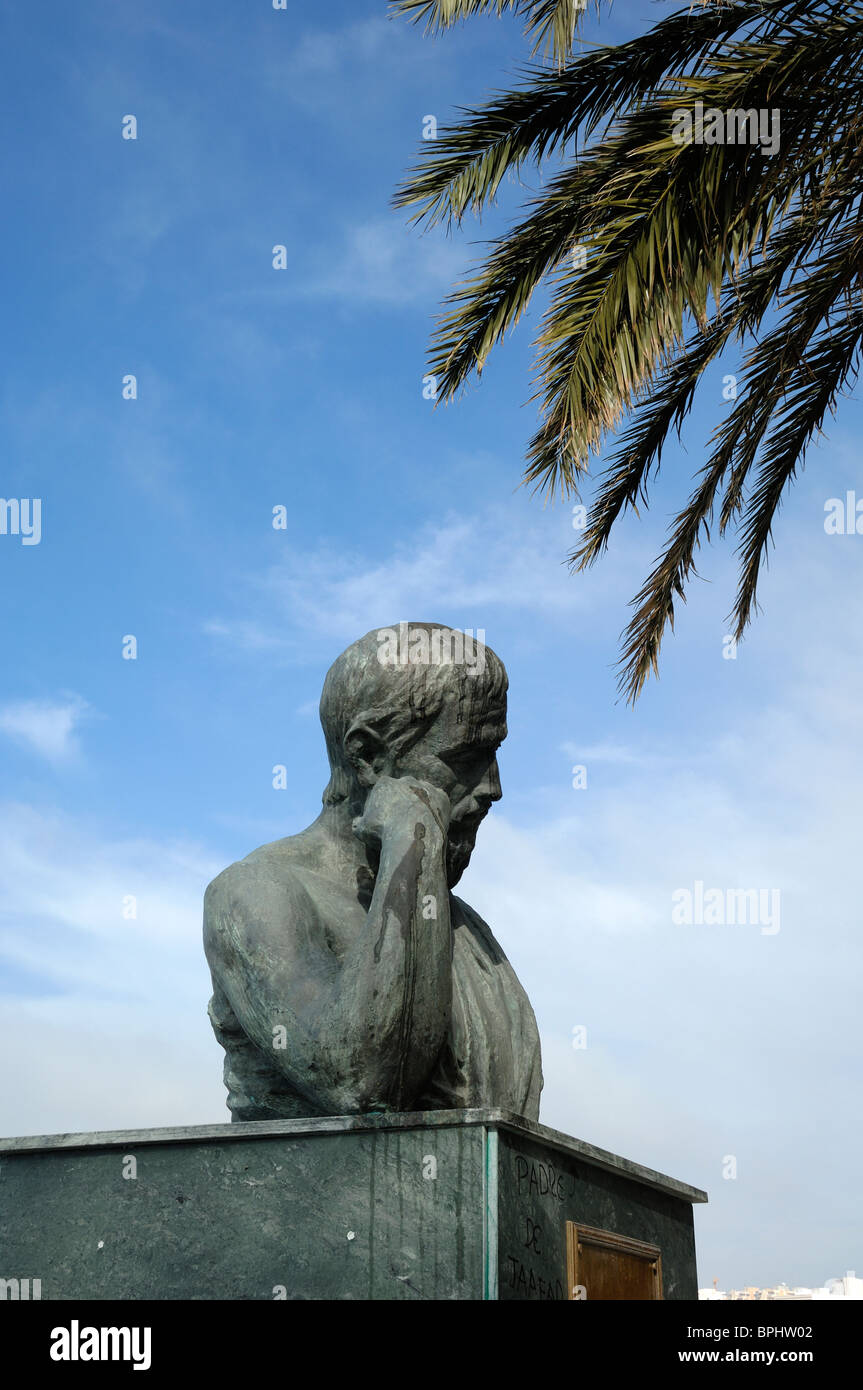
439,1205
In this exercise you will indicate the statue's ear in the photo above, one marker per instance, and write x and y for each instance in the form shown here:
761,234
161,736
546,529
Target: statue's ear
367,753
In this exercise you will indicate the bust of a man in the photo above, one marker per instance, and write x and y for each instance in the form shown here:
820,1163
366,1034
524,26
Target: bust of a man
347,976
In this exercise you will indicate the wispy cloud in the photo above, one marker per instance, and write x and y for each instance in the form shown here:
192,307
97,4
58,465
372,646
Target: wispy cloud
247,635
321,52
63,873
615,754
47,726
103,979
383,262
459,570
306,73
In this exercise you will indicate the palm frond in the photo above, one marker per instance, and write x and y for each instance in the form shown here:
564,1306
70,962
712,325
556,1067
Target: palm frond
789,388
552,23
464,168
690,248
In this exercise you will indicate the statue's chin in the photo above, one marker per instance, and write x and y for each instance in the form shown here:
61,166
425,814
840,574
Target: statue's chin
454,871
457,859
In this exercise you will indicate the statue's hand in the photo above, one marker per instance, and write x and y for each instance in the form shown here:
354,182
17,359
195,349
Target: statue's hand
401,803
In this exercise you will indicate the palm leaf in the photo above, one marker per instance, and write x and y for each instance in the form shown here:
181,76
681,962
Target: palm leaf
552,23
690,248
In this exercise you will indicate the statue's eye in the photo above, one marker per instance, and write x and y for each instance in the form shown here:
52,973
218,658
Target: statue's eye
460,761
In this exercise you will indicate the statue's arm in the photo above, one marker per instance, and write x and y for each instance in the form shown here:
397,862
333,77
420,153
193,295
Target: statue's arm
392,1014
364,1034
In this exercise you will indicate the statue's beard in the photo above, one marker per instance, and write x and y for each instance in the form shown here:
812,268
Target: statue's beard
461,840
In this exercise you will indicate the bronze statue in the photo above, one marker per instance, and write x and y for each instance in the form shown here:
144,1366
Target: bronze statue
347,977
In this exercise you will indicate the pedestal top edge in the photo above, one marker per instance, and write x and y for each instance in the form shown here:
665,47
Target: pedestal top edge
342,1124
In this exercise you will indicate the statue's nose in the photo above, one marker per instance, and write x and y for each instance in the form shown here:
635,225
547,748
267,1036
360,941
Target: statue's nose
489,788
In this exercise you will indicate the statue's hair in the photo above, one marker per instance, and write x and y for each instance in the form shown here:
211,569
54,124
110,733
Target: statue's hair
400,702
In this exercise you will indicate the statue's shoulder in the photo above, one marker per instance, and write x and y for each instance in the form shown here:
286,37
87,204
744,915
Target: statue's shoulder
468,917
273,871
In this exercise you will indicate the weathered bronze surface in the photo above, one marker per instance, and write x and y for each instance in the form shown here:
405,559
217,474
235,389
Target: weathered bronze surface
347,976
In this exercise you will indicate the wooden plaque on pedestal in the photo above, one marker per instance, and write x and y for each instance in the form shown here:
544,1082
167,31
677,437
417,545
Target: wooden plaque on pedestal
602,1266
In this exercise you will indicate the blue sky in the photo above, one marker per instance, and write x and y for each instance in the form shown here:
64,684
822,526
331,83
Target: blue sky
304,388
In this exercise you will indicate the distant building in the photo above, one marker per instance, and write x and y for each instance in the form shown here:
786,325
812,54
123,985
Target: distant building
847,1286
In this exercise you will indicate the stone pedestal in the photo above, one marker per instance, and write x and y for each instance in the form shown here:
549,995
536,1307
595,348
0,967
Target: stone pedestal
463,1204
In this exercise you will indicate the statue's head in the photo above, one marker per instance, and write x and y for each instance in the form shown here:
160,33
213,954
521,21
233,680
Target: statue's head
422,700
